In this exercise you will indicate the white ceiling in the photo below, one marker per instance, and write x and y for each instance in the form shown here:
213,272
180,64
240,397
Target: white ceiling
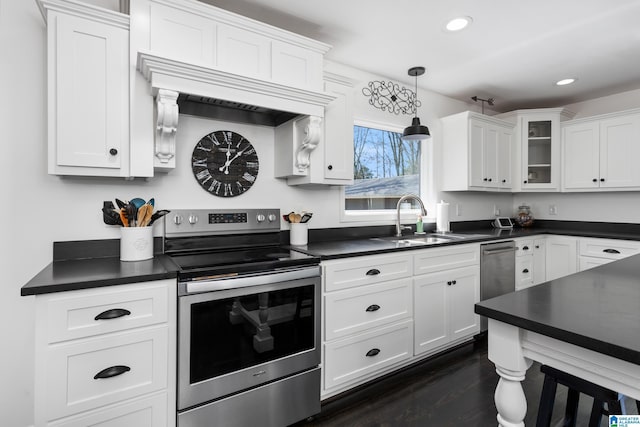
513,52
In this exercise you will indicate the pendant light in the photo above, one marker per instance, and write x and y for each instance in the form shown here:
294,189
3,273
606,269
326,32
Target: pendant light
416,131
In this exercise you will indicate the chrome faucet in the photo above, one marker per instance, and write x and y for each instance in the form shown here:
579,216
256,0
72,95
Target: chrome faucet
399,227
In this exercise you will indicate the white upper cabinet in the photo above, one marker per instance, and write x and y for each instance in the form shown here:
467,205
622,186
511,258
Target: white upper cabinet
601,153
476,152
201,34
536,154
88,89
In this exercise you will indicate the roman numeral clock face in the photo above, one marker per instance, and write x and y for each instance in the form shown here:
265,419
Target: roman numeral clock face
224,163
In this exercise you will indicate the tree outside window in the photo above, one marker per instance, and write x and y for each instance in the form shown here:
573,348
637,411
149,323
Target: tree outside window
384,169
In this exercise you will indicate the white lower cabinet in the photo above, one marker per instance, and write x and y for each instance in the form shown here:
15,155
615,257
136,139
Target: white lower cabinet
594,252
364,355
561,256
443,306
530,262
104,356
383,312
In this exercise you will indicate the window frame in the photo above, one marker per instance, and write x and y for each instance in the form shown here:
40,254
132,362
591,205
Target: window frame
388,216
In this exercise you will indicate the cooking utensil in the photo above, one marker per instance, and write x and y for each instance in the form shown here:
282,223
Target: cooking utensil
137,202
131,214
120,203
144,215
296,218
123,217
306,217
157,215
152,202
291,216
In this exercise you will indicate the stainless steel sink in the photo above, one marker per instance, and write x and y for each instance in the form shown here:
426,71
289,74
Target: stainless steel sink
412,240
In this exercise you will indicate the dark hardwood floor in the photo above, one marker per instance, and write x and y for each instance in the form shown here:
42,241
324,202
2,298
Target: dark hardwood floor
454,389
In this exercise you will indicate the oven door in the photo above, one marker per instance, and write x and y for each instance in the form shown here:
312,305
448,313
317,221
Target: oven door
246,334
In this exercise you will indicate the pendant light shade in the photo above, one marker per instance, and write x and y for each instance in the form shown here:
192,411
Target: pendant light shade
416,131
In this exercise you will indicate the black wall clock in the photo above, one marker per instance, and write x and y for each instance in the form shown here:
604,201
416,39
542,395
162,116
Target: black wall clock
224,163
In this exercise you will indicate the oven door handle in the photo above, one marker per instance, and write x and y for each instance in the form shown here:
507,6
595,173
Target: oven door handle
246,281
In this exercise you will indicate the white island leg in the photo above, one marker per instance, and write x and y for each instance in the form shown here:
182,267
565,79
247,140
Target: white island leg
505,352
509,398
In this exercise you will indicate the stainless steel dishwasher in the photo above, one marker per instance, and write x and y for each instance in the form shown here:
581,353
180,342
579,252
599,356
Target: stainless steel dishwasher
497,272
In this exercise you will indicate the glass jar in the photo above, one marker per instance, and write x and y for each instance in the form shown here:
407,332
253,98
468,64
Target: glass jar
524,218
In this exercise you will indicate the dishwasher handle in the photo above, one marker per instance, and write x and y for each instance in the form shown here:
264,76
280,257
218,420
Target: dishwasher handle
497,251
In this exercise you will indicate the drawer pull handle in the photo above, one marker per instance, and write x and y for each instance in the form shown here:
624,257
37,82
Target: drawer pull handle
525,248
526,270
111,371
611,251
114,313
373,307
373,352
373,272
449,283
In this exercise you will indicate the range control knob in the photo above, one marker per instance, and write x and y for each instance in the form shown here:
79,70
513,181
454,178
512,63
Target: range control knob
177,220
272,217
260,217
193,219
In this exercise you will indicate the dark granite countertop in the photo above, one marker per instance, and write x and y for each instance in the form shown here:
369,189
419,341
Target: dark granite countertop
100,264
598,309
370,246
69,275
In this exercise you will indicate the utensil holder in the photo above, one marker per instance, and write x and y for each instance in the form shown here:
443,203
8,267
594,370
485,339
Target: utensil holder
136,243
298,234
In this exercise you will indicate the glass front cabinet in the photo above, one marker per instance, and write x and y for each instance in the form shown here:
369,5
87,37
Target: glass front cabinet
536,158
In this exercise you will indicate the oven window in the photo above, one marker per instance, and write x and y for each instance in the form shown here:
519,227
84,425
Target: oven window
236,333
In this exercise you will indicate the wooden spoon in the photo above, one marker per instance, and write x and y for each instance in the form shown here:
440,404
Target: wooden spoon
296,218
144,215
123,217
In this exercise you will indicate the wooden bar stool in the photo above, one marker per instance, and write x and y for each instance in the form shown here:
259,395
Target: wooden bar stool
601,396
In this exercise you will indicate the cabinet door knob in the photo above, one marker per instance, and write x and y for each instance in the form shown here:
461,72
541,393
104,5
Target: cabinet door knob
373,307
330,167
526,270
611,251
594,180
524,182
113,313
601,179
373,272
489,179
504,180
449,283
537,246
373,352
113,151
111,371
454,282
484,179
525,248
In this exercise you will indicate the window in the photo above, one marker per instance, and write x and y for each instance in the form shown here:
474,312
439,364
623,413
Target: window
385,168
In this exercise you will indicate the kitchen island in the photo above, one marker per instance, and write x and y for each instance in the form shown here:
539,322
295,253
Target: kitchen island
586,324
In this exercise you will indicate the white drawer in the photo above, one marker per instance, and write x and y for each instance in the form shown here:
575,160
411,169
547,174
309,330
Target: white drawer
69,383
524,272
587,262
524,247
439,259
367,270
72,315
149,411
355,310
346,360
608,248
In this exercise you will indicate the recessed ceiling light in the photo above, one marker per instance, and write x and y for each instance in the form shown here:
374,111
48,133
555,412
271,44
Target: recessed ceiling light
459,23
564,82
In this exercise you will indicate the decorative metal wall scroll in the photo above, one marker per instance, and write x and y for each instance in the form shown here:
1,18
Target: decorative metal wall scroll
391,97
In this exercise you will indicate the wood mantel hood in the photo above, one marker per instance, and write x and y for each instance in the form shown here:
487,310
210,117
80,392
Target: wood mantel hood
201,81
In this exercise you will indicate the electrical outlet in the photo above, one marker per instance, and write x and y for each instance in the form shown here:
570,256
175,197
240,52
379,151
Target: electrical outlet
458,210
496,210
553,210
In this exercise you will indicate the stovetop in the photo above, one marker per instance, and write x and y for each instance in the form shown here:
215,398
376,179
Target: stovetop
205,243
239,261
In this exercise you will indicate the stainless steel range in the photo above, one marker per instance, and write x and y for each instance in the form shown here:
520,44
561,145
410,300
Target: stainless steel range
248,320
